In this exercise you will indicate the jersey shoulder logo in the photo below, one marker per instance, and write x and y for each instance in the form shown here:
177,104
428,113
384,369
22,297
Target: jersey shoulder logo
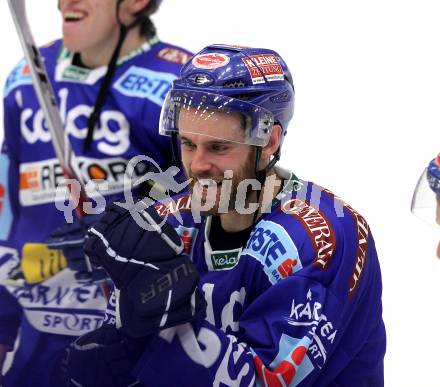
271,245
20,75
174,55
145,83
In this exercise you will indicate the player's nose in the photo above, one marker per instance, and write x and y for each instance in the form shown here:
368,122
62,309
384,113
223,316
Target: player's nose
200,162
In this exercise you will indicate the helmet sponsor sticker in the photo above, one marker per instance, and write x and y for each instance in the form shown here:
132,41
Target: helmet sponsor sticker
210,61
144,83
264,68
272,246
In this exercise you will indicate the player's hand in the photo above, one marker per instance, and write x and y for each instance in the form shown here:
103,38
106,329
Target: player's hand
157,285
68,240
112,354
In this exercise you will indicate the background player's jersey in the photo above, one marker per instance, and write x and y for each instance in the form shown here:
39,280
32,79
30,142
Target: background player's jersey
299,304
30,175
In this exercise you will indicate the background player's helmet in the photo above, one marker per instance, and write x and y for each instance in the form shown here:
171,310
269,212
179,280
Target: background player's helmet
426,199
255,82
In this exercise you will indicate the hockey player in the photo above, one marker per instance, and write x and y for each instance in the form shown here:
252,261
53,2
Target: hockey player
111,114
426,199
286,296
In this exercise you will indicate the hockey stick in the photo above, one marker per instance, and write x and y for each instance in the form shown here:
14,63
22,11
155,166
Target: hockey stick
47,101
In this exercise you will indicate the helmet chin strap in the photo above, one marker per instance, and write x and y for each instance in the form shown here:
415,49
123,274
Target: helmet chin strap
111,69
261,174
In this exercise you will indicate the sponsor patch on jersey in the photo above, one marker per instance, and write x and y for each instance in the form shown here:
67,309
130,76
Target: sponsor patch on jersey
225,259
39,263
272,246
20,75
291,365
173,207
5,205
318,228
61,305
39,180
65,71
8,261
307,313
363,231
188,236
174,55
210,61
264,67
145,83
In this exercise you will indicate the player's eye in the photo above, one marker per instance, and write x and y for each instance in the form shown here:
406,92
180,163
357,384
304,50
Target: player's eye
219,147
188,145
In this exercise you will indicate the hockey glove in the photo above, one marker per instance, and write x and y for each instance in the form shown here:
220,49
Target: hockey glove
156,284
104,357
69,239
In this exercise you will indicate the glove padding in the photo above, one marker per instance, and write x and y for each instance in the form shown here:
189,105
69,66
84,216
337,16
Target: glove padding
157,285
104,357
70,239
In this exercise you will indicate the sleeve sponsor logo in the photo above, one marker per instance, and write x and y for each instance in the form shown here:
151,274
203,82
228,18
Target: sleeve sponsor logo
19,76
174,55
308,313
210,61
145,83
291,365
5,205
317,227
363,231
264,67
272,246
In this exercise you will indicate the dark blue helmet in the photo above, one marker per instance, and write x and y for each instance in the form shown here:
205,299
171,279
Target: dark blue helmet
252,81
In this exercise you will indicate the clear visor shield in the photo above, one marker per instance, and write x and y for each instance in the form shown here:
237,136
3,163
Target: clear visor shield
425,202
216,116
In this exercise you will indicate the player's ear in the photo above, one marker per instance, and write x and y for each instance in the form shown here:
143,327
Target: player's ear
136,6
273,144
130,8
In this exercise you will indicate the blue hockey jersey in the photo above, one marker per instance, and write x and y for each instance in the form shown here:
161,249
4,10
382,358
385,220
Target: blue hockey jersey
298,305
60,308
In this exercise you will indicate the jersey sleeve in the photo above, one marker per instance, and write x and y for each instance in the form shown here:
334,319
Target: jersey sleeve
292,334
10,312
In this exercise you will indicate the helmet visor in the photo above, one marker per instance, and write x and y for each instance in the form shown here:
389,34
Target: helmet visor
216,116
425,202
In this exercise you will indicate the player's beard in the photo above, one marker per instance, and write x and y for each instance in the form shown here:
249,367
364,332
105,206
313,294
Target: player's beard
207,195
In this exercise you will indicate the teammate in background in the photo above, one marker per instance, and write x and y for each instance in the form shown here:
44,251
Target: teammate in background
49,305
287,296
426,199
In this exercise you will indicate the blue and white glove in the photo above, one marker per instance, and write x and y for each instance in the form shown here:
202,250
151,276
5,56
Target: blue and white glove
70,239
156,285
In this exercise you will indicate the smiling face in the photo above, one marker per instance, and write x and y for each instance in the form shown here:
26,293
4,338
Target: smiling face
209,148
89,24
